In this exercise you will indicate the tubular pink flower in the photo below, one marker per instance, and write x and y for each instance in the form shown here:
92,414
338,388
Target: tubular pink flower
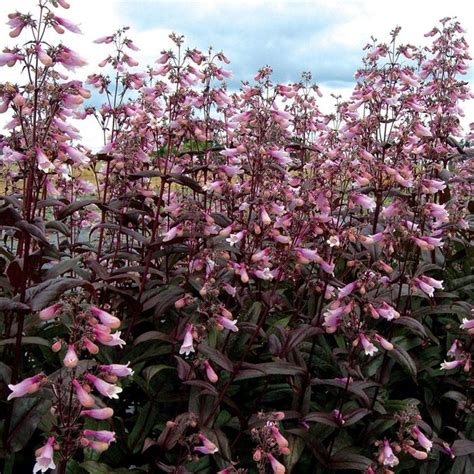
106,319
420,455
120,370
449,365
114,340
187,345
99,446
103,387
347,290
68,24
228,323
387,312
425,443
43,162
101,435
70,359
104,39
44,457
277,467
388,346
280,439
90,346
9,58
369,348
98,413
85,398
210,373
29,385
50,312
386,456
333,318
365,202
208,447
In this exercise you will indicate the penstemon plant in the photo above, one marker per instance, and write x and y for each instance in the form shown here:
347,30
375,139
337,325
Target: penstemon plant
236,282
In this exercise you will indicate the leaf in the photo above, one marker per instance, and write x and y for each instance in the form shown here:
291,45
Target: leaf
296,446
59,227
206,386
250,371
75,206
349,461
412,324
38,341
462,447
7,304
400,355
216,356
151,371
62,267
354,416
32,230
122,230
42,295
186,181
144,424
145,174
153,336
321,417
26,415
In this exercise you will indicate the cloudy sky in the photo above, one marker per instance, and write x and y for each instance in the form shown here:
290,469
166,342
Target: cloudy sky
324,37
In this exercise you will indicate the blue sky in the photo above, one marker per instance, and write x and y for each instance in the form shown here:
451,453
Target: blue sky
324,37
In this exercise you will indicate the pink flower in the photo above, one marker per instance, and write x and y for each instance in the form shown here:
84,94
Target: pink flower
468,324
428,285
103,387
84,397
421,131
347,290
228,323
210,373
104,39
9,58
387,312
451,364
277,467
280,440
187,345
70,359
114,340
101,435
427,243
386,456
388,346
90,346
29,385
422,439
208,447
106,319
98,413
369,348
44,457
120,370
67,24
420,455
365,202
333,318
43,162
50,312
